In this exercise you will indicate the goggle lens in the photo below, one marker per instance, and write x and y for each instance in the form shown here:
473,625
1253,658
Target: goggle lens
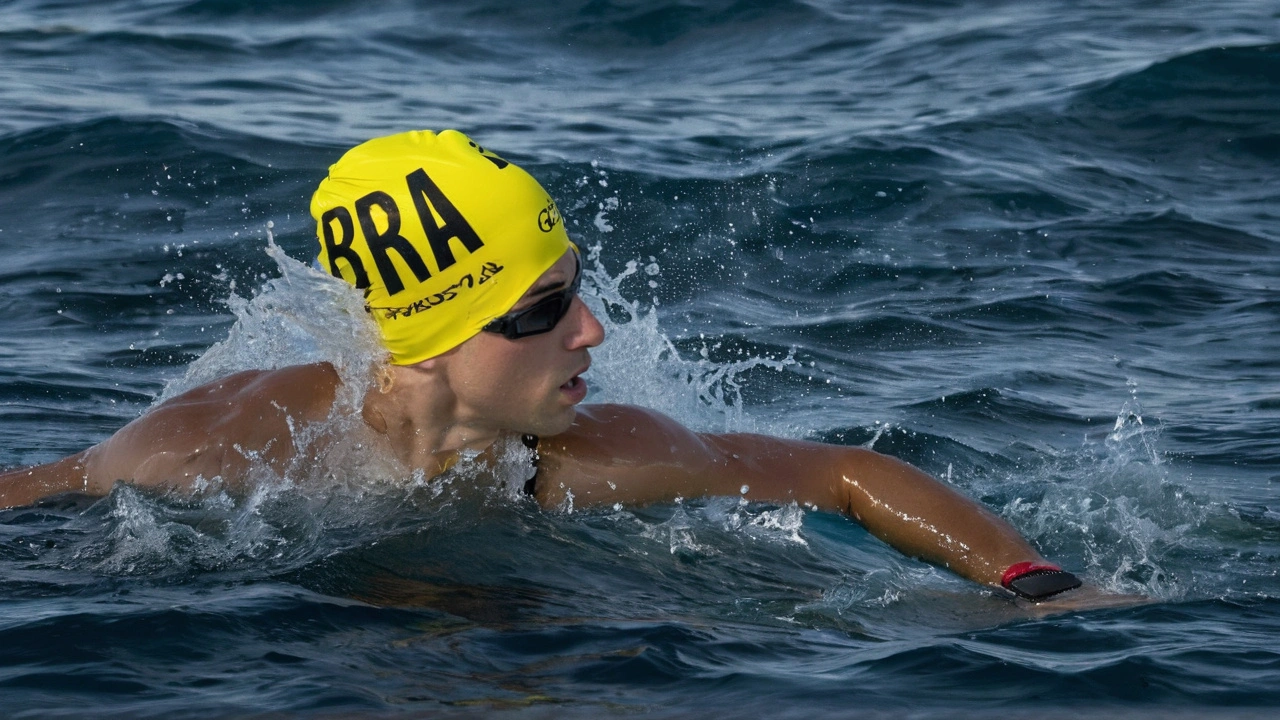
541,316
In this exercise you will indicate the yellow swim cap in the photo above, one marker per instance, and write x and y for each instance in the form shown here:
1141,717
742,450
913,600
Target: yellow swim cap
442,235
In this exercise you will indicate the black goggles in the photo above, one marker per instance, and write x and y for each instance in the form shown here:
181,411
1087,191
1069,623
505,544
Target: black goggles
541,316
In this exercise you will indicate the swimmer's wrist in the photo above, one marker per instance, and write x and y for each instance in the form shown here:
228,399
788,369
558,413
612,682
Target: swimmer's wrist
1037,582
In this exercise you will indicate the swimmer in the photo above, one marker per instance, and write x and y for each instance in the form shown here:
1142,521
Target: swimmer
472,280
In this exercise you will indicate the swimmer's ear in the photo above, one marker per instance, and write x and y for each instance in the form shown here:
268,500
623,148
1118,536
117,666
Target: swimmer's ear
385,379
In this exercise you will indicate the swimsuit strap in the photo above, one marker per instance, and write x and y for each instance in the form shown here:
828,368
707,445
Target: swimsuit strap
531,442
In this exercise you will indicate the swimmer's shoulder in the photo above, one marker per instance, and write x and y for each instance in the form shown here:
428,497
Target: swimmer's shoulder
206,432
217,429
628,454
620,453
307,391
613,433
248,405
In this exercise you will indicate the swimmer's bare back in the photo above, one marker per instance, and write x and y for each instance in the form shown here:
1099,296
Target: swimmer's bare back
611,454
207,432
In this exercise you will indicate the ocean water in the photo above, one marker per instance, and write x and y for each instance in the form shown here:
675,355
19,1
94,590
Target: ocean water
1031,247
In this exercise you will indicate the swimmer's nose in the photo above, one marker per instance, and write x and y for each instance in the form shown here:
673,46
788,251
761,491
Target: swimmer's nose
588,332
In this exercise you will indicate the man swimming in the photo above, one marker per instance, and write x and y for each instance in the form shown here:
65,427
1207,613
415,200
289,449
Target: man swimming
472,280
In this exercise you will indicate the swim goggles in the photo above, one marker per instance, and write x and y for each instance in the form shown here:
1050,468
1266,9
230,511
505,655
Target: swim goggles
541,316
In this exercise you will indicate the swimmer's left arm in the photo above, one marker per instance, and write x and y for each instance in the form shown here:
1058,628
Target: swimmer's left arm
905,507
622,454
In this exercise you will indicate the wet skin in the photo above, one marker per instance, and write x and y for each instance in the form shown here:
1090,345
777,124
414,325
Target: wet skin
489,386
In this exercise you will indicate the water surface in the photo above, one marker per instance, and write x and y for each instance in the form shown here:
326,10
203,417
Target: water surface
1032,249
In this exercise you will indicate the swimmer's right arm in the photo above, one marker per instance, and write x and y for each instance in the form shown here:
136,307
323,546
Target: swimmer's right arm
24,487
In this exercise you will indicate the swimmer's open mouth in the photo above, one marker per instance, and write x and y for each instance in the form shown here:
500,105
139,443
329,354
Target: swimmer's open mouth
576,384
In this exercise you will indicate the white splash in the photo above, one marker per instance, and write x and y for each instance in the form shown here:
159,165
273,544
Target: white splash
1113,510
638,364
303,316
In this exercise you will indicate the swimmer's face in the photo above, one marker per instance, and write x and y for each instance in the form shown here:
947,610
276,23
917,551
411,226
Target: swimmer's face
530,384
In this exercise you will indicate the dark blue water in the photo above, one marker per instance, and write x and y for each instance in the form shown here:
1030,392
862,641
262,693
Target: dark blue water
1033,248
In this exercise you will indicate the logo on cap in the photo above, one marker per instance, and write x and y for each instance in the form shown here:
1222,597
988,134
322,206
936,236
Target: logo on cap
549,217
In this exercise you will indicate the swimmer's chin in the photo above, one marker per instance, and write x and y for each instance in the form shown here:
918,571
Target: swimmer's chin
560,424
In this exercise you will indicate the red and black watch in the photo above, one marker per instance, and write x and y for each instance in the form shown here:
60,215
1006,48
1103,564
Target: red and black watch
1037,582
